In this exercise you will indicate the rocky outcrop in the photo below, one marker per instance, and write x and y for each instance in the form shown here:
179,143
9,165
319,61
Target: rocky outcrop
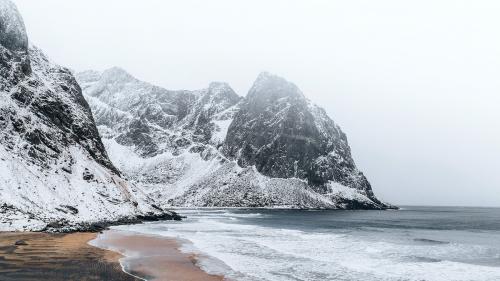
53,164
205,113
284,135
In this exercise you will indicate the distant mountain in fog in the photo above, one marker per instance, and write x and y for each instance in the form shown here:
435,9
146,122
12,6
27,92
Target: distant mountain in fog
211,147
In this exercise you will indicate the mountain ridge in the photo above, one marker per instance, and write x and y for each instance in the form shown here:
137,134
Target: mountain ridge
186,144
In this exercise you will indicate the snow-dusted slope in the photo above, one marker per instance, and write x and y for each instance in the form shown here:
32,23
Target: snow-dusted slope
284,135
155,120
54,169
175,145
164,141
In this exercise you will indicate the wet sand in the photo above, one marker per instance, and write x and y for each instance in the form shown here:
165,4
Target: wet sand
154,258
57,257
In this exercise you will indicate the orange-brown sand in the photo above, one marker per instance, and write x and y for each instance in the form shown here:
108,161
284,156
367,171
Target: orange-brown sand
56,257
155,258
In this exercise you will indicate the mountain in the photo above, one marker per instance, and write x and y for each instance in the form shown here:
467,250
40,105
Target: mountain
155,120
212,148
284,135
54,170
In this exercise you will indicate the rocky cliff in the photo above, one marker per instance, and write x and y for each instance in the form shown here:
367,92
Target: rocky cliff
54,169
211,147
284,135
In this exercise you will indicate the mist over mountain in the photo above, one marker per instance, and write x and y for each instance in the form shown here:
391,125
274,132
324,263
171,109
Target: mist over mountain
213,148
106,147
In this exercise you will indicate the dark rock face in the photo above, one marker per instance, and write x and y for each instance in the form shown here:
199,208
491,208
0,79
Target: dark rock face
12,30
217,98
87,175
138,134
285,136
60,106
64,226
52,156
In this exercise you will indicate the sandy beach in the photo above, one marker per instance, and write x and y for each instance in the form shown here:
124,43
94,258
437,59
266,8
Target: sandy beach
153,258
56,257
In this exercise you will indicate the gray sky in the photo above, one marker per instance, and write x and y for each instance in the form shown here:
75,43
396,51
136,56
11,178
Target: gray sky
414,84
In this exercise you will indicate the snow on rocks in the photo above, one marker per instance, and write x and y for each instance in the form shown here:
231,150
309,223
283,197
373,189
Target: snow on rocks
54,169
204,155
12,27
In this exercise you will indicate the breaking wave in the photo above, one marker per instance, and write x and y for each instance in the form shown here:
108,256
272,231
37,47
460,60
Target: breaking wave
269,245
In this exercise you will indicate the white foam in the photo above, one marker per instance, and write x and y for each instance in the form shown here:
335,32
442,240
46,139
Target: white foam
255,252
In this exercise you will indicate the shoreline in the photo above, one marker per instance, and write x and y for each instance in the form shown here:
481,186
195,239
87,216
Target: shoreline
111,255
152,258
33,256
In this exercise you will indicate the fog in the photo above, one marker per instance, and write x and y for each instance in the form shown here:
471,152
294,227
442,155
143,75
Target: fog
414,84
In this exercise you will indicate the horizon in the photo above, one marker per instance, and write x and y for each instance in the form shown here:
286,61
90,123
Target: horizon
420,111
272,140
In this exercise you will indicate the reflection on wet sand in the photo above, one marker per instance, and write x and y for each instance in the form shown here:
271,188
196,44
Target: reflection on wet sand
154,258
56,257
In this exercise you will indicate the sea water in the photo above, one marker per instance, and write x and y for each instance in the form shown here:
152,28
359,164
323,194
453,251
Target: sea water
414,243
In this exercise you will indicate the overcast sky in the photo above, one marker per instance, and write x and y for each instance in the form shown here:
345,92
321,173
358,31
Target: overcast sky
414,84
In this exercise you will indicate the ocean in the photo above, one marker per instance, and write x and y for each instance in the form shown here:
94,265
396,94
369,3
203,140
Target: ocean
414,243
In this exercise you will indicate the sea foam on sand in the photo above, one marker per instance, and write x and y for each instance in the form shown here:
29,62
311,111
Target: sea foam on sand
150,257
255,249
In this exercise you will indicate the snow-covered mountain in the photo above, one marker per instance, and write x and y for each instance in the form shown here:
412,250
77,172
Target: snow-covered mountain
54,169
280,132
212,148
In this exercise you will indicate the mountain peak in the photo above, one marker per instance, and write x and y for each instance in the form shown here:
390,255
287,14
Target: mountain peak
222,88
265,76
117,74
116,70
218,85
12,31
271,87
